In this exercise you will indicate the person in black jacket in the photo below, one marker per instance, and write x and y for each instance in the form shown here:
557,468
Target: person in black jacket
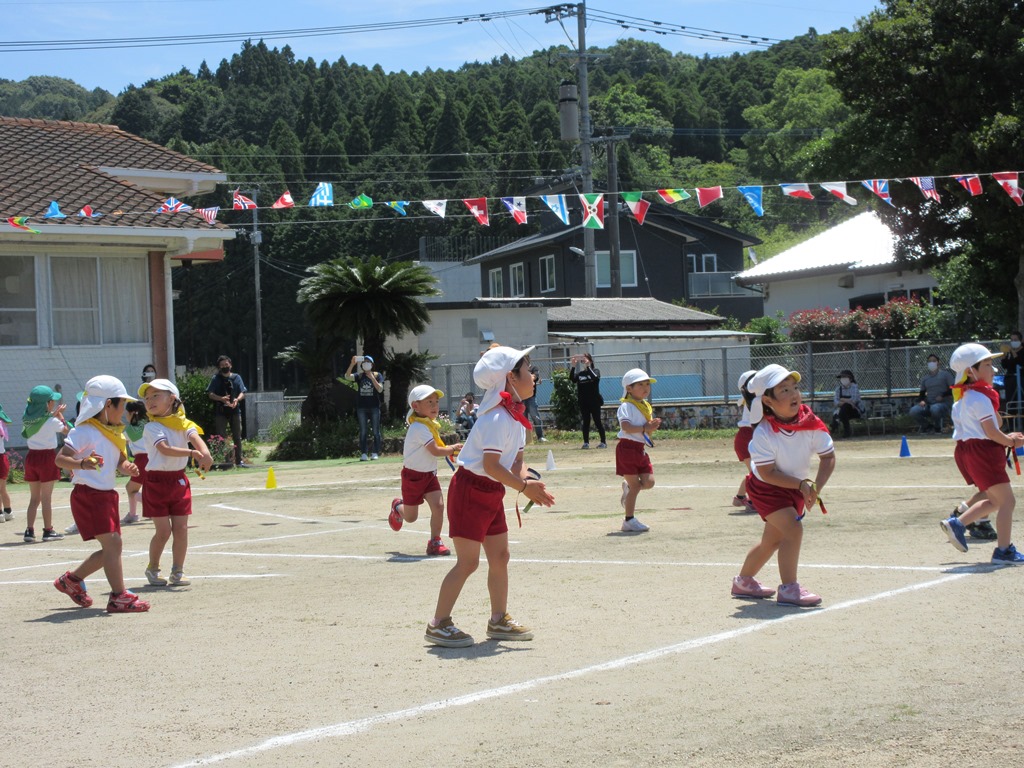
588,392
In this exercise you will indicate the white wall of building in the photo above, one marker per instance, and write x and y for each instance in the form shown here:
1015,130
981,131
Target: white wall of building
824,291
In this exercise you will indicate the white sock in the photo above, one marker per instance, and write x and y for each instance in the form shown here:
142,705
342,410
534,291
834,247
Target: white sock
962,507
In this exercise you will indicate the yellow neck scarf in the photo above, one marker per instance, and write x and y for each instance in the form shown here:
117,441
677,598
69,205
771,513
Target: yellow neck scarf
642,405
433,425
177,420
113,432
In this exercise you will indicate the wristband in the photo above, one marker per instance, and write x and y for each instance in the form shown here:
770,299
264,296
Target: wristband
526,484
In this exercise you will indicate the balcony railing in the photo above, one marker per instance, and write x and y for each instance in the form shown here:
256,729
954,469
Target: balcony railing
702,284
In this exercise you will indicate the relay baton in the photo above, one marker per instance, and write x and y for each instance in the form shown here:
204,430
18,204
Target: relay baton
1016,462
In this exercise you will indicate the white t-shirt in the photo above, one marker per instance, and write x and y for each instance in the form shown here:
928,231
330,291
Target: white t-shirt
968,414
154,433
790,452
494,432
85,440
629,412
138,446
46,438
415,455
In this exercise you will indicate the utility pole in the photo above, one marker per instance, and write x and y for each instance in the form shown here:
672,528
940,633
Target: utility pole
257,237
612,216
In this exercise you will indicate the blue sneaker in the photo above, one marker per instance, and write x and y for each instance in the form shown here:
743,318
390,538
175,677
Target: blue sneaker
1008,556
956,531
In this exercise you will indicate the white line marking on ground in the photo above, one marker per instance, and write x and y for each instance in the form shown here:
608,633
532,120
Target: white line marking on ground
205,577
340,730
266,514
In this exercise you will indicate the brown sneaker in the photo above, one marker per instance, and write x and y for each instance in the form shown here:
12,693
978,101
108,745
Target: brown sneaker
447,634
507,629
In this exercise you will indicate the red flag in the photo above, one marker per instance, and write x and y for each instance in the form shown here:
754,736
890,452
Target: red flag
971,183
1008,181
241,202
707,195
284,201
637,205
478,207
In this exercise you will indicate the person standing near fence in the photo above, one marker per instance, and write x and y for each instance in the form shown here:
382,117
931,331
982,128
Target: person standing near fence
228,390
847,402
934,401
588,394
1012,362
532,411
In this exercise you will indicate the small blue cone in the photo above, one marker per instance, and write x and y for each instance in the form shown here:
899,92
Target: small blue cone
904,449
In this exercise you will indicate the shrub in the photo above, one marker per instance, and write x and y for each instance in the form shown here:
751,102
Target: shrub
17,463
565,406
318,440
198,405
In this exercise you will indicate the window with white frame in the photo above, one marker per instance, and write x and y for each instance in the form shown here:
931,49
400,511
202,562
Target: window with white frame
627,269
517,279
496,283
547,274
99,300
703,262
18,325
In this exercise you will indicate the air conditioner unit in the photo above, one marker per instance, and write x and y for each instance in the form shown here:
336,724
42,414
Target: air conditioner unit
846,281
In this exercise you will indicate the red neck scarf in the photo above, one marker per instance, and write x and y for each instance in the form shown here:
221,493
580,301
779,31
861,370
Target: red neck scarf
517,410
805,421
978,386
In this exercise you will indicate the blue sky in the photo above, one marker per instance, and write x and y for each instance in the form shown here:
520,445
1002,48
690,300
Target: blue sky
440,47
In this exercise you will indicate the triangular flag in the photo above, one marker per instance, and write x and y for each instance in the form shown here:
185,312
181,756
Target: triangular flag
927,186
361,202
173,205
803,191
673,195
593,211
436,207
881,188
752,254
971,183
557,205
53,212
754,196
838,188
284,201
398,205
323,195
240,202
517,207
707,195
1008,181
21,222
88,213
637,205
478,207
209,214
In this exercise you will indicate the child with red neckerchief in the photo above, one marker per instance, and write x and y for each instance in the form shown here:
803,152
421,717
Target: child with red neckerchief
981,451
779,485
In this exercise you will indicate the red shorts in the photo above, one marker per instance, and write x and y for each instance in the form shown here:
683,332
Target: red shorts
95,512
5,466
416,486
476,507
768,498
166,494
981,462
632,459
40,466
140,460
741,443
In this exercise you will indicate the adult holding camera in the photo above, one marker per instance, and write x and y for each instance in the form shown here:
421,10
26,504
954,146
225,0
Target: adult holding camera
227,390
588,393
935,401
1011,362
468,410
369,390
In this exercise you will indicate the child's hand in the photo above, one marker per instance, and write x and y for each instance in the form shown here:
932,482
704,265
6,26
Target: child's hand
456,447
653,425
95,461
810,494
538,494
205,461
129,468
59,410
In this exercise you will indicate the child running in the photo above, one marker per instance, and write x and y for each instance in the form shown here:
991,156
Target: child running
423,446
94,450
42,421
5,469
741,444
786,436
137,446
166,494
980,452
491,459
632,464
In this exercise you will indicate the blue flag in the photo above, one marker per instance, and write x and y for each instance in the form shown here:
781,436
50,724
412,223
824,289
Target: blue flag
754,196
323,195
557,204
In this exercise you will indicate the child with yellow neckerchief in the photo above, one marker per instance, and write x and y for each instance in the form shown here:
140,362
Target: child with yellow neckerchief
423,446
94,450
166,494
636,422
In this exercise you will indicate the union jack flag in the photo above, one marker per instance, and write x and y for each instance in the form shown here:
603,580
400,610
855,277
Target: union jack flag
881,188
240,202
210,214
173,205
927,186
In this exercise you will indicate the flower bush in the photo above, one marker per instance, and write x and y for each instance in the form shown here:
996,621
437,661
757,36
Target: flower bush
897,319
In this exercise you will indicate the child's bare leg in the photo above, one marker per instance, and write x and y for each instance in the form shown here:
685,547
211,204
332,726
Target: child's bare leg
498,555
761,552
743,483
983,508
112,546
161,533
134,497
791,535
1001,496
435,501
33,503
636,483
90,565
179,545
410,512
5,497
46,502
467,560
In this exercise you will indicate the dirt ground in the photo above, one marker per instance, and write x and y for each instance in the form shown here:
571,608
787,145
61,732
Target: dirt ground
300,640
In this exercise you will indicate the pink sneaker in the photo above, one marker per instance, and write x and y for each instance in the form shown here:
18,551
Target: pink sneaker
436,548
748,586
126,602
739,501
794,594
73,589
395,517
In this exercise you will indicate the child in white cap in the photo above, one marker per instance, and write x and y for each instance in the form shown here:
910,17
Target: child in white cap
632,464
423,446
94,450
491,459
741,443
166,494
980,452
779,485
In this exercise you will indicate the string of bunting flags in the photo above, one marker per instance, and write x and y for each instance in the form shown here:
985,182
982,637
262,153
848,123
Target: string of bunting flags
593,205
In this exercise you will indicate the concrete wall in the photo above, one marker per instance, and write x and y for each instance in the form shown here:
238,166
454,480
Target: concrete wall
456,281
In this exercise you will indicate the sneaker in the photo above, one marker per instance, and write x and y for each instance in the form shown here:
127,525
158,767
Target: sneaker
1008,556
374,457
394,516
73,589
364,457
955,531
739,501
73,528
179,579
625,493
30,535
436,548
602,445
542,439
154,578
129,519
447,634
983,530
794,594
126,602
632,525
585,447
51,535
8,516
750,506
508,629
748,586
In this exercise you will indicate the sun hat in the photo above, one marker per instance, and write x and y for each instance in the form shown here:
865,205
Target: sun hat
768,377
97,391
967,355
744,378
492,368
161,384
43,394
367,359
632,376
420,392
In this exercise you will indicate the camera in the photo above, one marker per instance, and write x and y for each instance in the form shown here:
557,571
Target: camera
359,358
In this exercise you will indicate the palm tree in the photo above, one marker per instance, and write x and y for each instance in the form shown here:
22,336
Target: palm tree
404,368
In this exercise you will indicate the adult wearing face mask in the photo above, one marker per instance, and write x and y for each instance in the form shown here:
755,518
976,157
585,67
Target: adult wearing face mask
1011,363
148,372
370,387
228,391
935,400
847,403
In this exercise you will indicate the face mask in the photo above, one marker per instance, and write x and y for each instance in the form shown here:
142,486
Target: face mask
225,371
367,366
1015,344
844,381
148,376
933,367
